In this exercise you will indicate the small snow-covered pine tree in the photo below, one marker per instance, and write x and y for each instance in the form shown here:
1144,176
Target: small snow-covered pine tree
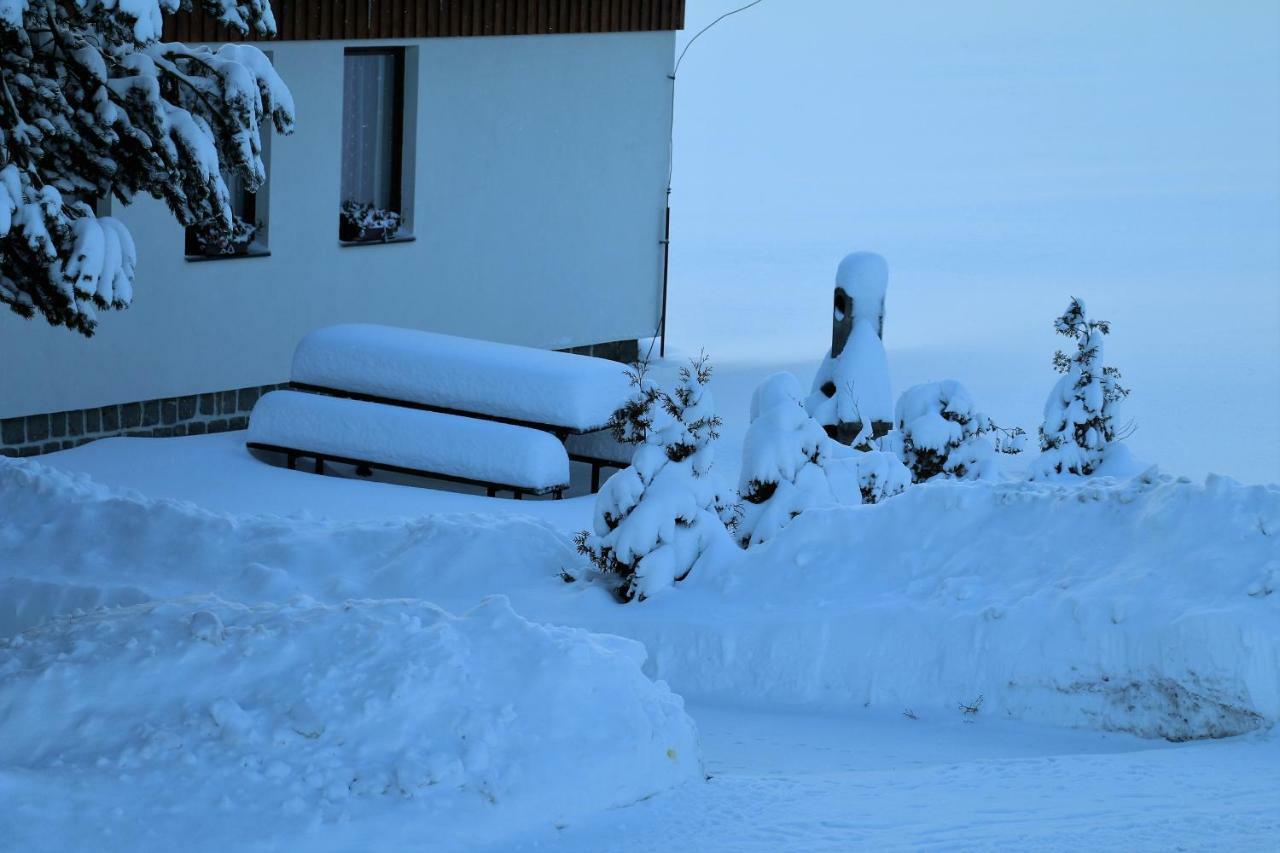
1080,414
93,105
939,432
782,461
656,517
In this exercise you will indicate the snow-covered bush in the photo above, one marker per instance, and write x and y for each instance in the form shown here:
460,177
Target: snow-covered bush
94,106
782,461
865,476
851,397
789,465
1081,411
656,517
938,431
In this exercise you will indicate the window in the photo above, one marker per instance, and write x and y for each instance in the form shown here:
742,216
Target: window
248,235
372,146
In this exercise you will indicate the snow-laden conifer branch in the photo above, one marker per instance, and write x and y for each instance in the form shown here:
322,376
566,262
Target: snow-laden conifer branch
93,106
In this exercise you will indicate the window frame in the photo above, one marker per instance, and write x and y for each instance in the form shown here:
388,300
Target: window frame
396,193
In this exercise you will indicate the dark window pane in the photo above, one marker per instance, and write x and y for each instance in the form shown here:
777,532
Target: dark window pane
369,127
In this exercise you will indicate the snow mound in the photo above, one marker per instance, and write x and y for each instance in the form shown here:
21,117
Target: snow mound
69,544
1149,605
308,708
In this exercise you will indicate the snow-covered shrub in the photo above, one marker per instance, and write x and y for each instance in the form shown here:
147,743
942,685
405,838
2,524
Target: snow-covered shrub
782,461
939,431
851,397
94,106
865,476
790,464
1081,411
656,517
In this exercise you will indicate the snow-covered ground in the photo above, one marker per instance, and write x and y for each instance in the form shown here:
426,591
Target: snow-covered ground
200,649
802,658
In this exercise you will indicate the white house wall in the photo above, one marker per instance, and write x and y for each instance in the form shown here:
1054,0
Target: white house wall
540,166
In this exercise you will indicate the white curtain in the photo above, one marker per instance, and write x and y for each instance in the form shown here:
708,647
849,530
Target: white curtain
367,127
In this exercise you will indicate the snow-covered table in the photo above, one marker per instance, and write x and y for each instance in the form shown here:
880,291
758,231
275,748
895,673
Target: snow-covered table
556,391
570,396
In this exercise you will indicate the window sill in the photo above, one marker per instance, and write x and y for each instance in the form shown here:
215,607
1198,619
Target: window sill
252,253
399,238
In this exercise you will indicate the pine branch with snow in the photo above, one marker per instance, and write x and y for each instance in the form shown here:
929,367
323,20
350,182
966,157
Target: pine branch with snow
939,432
93,106
655,518
631,423
1080,414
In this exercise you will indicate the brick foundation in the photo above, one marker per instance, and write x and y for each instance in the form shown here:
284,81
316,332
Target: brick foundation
195,414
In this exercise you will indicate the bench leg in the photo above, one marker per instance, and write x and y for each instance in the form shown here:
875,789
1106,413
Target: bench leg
559,494
364,471
319,464
491,492
291,459
519,495
595,477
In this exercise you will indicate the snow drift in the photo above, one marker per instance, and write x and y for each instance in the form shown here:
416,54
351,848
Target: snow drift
68,544
309,708
1146,604
1149,605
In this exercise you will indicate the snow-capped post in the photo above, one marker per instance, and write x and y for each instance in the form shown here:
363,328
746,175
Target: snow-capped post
1080,413
937,431
851,397
656,517
93,105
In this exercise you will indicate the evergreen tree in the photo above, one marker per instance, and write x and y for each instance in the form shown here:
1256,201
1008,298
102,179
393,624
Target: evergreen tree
656,517
1081,411
939,432
92,106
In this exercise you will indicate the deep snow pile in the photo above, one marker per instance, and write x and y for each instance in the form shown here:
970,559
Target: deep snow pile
309,708
68,544
1147,604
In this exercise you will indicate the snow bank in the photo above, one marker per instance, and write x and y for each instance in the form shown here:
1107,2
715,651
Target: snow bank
1147,604
69,544
451,445
307,708
1150,605
519,383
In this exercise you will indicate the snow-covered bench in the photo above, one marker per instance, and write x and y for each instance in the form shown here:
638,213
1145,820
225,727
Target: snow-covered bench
560,393
497,456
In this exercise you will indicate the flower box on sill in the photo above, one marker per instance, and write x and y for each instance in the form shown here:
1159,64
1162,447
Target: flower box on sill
364,223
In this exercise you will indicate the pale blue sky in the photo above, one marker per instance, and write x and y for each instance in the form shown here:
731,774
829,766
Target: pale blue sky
1001,155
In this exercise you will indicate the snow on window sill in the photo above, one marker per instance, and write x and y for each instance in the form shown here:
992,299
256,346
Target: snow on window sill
399,238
